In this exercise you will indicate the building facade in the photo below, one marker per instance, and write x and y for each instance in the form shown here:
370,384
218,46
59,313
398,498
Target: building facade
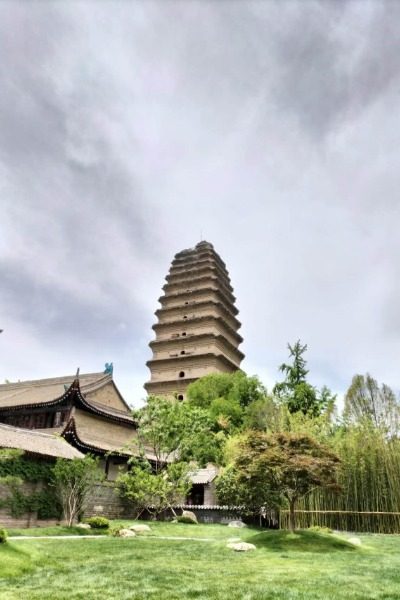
197,325
87,410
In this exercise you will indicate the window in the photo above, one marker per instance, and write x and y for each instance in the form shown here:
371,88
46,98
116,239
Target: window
183,352
185,316
184,333
181,373
180,396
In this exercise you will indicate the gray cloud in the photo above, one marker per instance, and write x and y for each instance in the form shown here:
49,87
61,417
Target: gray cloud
128,130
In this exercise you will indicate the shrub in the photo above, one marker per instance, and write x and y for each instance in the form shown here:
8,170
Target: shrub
320,529
3,536
115,531
98,522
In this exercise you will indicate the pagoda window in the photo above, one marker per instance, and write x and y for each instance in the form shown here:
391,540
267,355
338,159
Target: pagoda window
57,419
184,333
181,373
180,396
183,352
185,316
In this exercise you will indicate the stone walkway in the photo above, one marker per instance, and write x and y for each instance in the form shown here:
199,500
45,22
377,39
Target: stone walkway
15,538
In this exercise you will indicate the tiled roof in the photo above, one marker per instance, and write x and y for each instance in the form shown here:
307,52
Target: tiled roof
45,391
206,475
98,434
41,391
36,442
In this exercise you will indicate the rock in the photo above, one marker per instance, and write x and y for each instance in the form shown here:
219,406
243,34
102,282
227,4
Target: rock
187,517
237,524
83,525
140,528
355,541
241,547
126,533
234,540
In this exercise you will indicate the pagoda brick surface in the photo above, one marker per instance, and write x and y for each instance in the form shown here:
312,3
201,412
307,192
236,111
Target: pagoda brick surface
197,325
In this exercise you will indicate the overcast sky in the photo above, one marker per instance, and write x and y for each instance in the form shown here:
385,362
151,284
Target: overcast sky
131,130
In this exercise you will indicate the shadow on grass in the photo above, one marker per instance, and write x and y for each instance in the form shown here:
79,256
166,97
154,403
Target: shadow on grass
300,541
14,561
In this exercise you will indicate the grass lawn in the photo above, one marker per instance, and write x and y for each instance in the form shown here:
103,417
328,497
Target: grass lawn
306,565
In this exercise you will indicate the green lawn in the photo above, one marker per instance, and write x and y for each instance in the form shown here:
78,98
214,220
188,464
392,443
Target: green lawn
305,565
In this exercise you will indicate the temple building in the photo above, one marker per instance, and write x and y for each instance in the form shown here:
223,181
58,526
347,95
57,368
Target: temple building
87,410
197,325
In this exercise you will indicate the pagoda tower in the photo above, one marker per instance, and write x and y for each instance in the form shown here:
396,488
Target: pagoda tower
196,331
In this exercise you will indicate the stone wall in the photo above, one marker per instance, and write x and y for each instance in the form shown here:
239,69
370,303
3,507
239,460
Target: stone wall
27,519
105,501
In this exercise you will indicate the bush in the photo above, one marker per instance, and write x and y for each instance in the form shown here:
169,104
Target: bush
115,531
320,529
3,536
98,522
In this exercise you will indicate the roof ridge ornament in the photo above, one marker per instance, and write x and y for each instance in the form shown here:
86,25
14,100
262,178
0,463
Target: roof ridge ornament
75,383
108,368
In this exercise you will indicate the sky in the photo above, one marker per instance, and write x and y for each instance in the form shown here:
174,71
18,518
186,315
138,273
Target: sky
132,130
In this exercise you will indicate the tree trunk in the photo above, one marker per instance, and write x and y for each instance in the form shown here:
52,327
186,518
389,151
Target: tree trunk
292,516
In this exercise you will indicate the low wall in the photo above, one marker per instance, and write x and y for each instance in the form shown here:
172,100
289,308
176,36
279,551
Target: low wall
26,519
105,501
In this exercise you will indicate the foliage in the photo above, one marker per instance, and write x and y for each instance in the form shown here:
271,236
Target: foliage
366,400
74,480
3,536
295,391
169,428
368,475
14,463
98,522
236,387
283,467
154,491
15,469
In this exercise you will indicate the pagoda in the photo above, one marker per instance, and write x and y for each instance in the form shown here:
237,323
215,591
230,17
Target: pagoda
197,325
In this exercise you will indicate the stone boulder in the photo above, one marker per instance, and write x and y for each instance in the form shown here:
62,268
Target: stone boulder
126,533
187,516
237,524
355,541
140,528
241,547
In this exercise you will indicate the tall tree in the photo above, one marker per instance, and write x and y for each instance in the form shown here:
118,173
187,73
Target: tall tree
295,391
74,480
282,468
172,429
365,399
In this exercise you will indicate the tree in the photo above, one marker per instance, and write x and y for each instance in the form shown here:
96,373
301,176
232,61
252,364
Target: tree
152,491
283,467
366,400
74,480
236,387
226,396
172,429
295,391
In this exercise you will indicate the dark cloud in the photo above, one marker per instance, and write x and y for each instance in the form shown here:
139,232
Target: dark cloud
130,130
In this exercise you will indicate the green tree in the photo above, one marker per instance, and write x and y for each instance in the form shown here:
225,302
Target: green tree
152,491
226,396
236,387
172,429
365,399
74,480
295,391
282,468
